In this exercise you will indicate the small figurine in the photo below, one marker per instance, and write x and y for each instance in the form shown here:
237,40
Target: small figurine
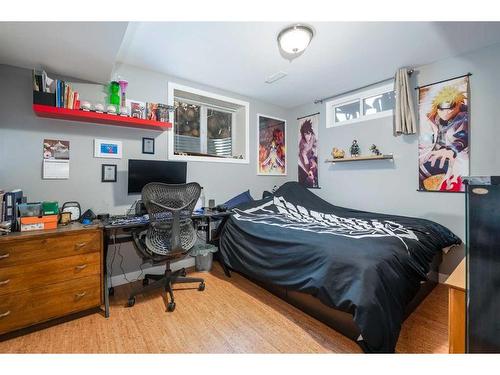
375,150
355,148
338,153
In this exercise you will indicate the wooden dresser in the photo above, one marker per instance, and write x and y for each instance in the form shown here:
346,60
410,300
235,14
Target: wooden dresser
456,309
49,274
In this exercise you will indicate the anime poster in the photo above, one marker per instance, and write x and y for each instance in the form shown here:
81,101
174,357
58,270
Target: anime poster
272,146
308,151
443,145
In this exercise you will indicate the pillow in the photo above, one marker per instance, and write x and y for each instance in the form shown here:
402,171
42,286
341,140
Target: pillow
239,199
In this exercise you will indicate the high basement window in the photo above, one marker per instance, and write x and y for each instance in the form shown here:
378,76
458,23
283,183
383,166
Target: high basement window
362,106
207,126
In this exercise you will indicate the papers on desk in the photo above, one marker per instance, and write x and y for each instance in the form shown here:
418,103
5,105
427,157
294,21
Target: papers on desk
55,169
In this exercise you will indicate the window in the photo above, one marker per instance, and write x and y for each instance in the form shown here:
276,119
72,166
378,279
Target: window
208,127
362,106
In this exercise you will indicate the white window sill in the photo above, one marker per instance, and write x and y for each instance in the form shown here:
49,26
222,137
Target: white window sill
207,159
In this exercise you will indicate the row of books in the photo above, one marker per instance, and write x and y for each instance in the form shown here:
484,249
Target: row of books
65,96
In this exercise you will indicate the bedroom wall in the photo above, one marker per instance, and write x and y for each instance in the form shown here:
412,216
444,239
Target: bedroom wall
390,187
22,134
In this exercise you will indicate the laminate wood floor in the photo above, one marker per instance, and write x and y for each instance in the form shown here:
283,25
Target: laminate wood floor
232,315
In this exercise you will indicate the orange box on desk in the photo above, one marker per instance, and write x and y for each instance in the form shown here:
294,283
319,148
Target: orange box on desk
48,221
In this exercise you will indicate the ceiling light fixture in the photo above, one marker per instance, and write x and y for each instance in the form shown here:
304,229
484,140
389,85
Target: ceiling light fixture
294,39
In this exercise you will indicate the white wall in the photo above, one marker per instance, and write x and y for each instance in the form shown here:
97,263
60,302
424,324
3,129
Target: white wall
391,187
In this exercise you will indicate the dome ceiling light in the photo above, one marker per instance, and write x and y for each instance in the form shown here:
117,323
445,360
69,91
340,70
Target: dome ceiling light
294,39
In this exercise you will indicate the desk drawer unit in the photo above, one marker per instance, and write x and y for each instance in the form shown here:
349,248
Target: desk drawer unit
48,275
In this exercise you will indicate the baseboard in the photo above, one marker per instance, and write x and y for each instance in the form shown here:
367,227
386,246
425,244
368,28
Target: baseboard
132,276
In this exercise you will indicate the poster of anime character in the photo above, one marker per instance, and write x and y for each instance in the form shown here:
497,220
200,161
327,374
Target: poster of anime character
308,151
443,146
272,146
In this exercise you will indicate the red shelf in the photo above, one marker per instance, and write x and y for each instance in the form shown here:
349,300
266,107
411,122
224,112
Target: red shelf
98,118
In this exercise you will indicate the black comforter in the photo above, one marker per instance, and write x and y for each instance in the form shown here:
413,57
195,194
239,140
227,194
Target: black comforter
363,263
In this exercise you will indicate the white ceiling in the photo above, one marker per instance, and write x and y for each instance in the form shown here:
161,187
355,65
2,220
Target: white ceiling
239,56
85,50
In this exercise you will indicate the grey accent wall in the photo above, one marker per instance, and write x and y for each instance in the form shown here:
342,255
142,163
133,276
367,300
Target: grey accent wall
22,134
390,187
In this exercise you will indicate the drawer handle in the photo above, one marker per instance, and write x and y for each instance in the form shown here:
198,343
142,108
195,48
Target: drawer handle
5,282
3,256
81,267
79,245
80,295
5,314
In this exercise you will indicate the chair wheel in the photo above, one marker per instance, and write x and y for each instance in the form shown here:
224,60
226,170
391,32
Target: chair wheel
201,287
145,281
183,273
131,302
171,306
111,291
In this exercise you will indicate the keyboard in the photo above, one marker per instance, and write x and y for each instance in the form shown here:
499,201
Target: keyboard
127,220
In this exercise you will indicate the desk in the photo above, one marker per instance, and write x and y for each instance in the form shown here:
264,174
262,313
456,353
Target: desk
126,229
456,309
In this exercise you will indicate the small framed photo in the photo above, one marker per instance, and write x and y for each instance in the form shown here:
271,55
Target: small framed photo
104,148
108,173
148,145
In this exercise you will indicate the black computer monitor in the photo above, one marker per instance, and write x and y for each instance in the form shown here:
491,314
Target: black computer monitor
142,172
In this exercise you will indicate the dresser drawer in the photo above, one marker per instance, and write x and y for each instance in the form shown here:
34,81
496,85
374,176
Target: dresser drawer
34,275
38,305
33,250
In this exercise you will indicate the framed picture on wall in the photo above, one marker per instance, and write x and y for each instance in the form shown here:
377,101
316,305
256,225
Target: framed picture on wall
271,140
108,173
104,148
148,145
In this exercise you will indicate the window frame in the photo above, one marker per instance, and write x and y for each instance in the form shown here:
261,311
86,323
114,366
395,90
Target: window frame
357,97
172,86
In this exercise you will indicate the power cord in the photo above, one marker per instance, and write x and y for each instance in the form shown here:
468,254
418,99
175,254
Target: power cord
121,262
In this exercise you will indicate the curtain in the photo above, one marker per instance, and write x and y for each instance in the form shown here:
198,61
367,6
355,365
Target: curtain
405,121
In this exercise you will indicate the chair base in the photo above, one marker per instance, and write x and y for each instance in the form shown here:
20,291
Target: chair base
165,282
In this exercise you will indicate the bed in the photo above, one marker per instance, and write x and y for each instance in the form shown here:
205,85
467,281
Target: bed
360,272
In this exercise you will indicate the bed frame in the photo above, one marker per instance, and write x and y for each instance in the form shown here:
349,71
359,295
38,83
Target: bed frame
338,320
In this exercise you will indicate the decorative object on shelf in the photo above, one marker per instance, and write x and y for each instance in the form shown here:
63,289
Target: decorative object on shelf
148,145
375,150
85,105
152,111
99,108
124,111
114,97
162,112
123,88
108,173
111,109
444,135
355,151
137,109
272,146
338,153
308,151
104,148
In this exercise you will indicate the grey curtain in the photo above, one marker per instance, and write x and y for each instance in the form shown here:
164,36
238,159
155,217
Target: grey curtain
405,121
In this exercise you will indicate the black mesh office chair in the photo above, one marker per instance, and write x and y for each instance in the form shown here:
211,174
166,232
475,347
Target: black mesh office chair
169,235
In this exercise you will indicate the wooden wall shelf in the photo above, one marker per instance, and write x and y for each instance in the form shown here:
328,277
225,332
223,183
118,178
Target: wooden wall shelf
98,118
361,158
